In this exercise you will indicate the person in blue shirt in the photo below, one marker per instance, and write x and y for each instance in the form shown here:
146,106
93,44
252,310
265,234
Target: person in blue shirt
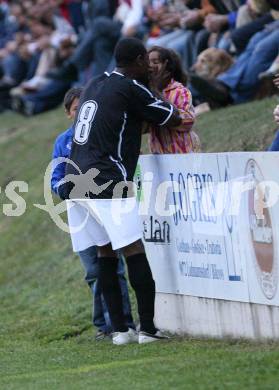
88,257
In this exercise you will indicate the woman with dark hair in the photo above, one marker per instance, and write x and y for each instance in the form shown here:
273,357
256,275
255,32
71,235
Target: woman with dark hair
169,79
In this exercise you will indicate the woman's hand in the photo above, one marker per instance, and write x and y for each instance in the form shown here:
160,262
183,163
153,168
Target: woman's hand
160,79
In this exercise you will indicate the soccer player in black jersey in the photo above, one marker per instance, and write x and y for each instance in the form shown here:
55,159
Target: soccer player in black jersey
107,141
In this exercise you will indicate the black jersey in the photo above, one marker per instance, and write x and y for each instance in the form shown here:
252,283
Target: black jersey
107,133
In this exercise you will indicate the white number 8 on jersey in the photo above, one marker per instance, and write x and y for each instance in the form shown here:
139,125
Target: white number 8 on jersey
86,116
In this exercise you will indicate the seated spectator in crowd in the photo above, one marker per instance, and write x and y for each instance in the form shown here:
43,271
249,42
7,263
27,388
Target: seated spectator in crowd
13,67
71,10
98,42
49,39
44,32
28,100
46,46
236,22
239,84
88,257
220,23
181,28
262,12
8,25
200,24
168,79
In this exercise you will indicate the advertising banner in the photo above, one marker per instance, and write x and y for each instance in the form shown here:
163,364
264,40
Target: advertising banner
209,224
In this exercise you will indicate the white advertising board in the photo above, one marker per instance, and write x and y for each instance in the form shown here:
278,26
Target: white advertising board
206,229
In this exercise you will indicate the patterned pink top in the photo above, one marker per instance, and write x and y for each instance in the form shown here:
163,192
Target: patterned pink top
179,139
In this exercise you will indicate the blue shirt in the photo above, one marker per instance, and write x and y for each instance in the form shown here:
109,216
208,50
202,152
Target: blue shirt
62,148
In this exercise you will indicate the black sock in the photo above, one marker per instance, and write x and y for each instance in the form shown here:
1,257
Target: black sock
142,282
109,284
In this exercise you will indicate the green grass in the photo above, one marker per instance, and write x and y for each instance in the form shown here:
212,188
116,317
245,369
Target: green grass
46,336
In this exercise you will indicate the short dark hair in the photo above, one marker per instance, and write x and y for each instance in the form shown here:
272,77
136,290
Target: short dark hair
71,95
174,64
128,50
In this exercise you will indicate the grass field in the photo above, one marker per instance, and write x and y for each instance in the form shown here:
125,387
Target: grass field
46,336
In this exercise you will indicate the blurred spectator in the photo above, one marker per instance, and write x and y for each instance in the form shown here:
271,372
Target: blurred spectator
50,43
37,38
190,30
46,98
181,28
72,11
42,38
12,65
46,46
220,23
98,42
7,26
169,80
241,81
260,13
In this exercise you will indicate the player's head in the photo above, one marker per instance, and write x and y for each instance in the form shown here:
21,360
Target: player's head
131,55
71,102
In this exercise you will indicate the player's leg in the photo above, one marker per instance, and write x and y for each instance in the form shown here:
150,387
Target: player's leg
109,282
141,280
124,228
127,310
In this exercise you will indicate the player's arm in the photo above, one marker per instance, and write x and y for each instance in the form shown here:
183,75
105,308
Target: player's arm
154,109
175,119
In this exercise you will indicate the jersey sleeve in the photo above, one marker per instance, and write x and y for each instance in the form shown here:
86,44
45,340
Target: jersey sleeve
150,108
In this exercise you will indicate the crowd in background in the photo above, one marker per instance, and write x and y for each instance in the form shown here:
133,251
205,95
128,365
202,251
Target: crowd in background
229,48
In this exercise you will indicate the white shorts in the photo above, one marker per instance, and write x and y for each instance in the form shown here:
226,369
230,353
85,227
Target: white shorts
102,221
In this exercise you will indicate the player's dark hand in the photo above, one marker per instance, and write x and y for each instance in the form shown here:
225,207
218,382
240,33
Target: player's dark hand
64,190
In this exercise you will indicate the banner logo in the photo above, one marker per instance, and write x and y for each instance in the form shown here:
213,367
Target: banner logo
261,233
156,232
